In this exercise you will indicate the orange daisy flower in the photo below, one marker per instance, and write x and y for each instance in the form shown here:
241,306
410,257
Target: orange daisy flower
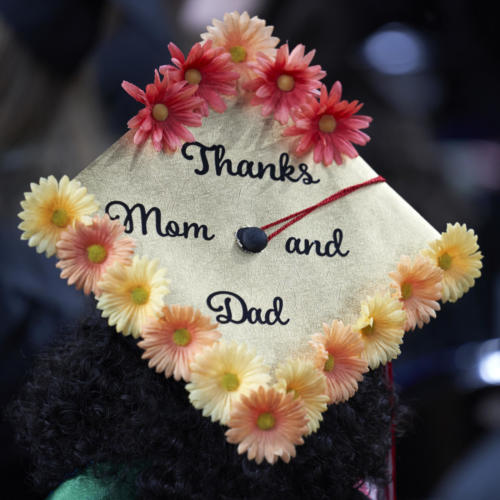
85,252
267,424
242,37
418,286
338,354
171,342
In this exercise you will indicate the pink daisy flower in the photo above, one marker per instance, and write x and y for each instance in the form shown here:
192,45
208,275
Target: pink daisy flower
328,126
338,350
171,342
169,107
285,82
209,68
86,251
267,424
418,286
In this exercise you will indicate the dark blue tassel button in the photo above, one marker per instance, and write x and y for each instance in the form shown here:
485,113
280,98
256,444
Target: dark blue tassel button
251,239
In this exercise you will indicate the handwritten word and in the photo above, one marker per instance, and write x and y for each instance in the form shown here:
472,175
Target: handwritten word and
330,249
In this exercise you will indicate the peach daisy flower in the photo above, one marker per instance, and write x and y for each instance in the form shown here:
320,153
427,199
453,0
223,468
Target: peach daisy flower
418,287
209,68
284,83
84,252
329,127
338,354
242,38
307,383
268,424
220,375
171,342
132,294
50,208
168,108
381,324
457,254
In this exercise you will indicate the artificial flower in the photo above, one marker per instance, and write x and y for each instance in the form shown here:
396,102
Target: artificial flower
268,424
171,342
306,382
418,287
329,127
168,108
220,375
132,294
209,68
284,83
50,207
381,324
457,254
85,251
338,354
242,37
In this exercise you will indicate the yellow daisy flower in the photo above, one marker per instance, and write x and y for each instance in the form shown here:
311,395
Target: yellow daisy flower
220,375
307,383
457,254
50,207
132,294
381,324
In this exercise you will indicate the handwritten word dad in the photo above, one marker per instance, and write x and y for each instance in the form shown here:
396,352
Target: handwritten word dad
283,171
234,310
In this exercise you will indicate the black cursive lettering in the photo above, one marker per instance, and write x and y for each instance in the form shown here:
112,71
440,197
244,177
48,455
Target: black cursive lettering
171,229
283,171
304,247
234,309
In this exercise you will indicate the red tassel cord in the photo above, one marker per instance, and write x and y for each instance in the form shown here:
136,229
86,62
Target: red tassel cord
390,491
293,218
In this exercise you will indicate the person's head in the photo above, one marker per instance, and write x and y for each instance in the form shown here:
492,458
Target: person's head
92,400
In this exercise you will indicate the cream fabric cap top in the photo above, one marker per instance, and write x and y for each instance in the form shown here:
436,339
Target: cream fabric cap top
185,208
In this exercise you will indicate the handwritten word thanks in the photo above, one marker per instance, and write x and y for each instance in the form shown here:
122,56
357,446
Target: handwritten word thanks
281,171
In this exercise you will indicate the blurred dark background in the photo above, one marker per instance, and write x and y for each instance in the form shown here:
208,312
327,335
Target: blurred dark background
428,74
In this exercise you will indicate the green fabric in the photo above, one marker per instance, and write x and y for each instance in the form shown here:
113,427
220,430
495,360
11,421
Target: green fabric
87,487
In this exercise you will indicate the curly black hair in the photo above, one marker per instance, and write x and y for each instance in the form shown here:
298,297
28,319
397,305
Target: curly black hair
91,400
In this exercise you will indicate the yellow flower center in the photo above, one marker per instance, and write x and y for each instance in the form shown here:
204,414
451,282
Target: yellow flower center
444,261
139,295
329,363
192,76
238,53
60,217
266,421
160,112
230,382
285,83
295,393
327,124
181,337
406,291
369,328
96,253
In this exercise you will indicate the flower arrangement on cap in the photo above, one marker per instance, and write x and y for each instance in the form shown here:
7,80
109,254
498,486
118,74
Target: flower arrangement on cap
268,412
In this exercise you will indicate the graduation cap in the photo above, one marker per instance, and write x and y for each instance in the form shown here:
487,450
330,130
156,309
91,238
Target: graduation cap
242,238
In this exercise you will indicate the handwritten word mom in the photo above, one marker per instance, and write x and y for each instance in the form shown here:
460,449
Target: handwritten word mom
212,157
172,228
